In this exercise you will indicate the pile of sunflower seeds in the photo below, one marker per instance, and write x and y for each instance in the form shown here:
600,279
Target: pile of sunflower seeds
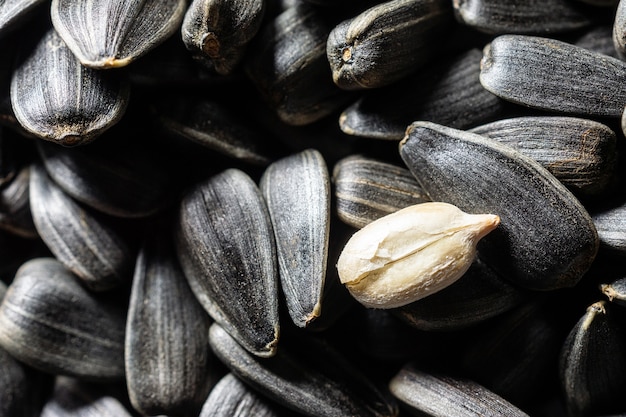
178,180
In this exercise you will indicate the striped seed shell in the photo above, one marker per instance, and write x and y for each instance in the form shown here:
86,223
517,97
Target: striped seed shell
218,31
74,398
8,162
578,152
49,321
445,396
13,12
611,226
297,192
478,295
538,72
86,242
367,189
167,353
118,180
226,247
15,215
615,291
231,397
59,100
448,92
113,33
309,378
522,16
386,42
619,29
534,246
592,364
288,65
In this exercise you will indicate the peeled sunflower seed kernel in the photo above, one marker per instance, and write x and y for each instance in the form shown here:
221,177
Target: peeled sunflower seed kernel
537,72
113,33
412,253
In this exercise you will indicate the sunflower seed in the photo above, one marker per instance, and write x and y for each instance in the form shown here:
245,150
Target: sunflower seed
537,72
615,291
598,38
57,99
533,247
580,153
288,66
411,254
597,338
74,398
444,396
231,397
15,215
311,378
226,248
113,33
386,42
84,241
522,16
478,295
447,92
217,32
13,12
50,322
619,30
297,192
367,189
166,351
610,224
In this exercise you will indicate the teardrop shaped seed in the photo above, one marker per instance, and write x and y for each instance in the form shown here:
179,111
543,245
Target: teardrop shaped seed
367,189
49,321
215,126
166,351
534,246
615,291
15,215
57,99
444,396
297,192
309,378
522,16
74,398
84,241
538,73
478,295
578,152
217,32
591,388
113,33
448,92
12,12
287,63
226,248
231,397
386,42
123,181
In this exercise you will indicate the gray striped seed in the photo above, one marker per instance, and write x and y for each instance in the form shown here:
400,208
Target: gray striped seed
13,12
539,73
15,215
231,397
533,246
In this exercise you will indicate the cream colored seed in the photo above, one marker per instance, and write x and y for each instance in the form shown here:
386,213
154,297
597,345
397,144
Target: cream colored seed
412,253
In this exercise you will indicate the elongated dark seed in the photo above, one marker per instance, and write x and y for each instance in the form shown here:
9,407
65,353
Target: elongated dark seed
522,16
386,42
578,152
538,72
533,246
113,33
15,215
598,38
84,241
311,379
591,388
50,322
226,247
611,224
231,397
367,189
448,92
218,31
444,396
57,99
166,349
297,192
